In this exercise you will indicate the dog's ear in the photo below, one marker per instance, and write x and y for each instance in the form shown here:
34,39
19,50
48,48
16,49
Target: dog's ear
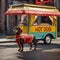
19,30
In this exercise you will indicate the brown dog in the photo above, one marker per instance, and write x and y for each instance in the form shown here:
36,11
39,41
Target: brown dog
24,38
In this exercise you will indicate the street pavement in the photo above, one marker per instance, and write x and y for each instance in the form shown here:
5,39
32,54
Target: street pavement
8,51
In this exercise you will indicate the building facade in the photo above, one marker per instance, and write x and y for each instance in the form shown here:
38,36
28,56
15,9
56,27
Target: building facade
8,22
2,16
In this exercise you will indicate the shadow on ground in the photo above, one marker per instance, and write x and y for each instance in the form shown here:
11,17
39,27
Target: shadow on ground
39,54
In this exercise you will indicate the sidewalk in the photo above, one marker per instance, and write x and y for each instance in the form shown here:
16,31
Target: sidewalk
4,40
58,38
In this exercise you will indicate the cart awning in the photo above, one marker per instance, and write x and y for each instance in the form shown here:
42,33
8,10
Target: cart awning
32,10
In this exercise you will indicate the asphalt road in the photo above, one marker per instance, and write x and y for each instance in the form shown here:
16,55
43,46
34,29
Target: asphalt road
8,51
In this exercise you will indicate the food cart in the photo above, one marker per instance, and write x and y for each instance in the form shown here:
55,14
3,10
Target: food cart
40,21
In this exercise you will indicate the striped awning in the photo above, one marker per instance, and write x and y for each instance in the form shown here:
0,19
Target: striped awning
30,12
42,11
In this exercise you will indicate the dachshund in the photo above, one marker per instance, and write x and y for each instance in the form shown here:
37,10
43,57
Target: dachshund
21,39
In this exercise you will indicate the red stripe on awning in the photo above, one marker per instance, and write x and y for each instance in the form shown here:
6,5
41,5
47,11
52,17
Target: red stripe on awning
43,13
14,12
33,12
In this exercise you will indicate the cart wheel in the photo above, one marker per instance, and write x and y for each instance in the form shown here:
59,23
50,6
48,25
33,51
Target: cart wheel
47,39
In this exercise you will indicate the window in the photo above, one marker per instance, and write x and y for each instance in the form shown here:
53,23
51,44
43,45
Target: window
42,20
46,19
23,20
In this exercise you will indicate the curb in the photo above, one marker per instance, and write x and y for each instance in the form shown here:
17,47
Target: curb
4,40
7,41
58,38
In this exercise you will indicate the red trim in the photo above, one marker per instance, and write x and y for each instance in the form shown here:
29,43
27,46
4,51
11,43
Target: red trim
42,13
14,11
33,12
